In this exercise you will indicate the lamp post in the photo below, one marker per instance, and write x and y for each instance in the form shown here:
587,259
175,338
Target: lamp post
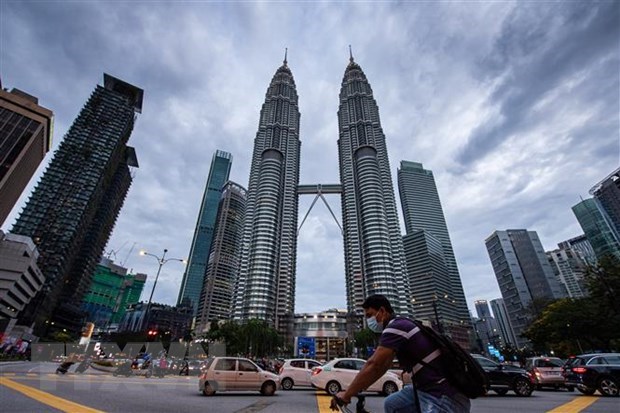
161,261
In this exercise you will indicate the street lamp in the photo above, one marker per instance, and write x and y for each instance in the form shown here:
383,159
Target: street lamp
161,262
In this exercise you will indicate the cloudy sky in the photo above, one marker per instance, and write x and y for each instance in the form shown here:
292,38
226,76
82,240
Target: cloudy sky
513,106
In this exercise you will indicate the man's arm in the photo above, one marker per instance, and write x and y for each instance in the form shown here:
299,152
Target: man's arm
375,367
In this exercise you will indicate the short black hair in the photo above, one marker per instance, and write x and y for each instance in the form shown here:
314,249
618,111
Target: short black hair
376,302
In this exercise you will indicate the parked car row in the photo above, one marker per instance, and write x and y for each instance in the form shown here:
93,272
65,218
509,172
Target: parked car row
587,373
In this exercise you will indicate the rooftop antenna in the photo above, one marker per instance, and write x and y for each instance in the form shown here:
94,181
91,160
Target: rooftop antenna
350,55
285,55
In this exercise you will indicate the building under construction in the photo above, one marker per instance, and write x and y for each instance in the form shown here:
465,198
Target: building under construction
72,211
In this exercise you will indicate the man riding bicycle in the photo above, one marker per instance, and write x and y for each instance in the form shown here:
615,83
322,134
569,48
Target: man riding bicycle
400,337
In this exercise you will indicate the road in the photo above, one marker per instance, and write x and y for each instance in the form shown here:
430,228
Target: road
33,387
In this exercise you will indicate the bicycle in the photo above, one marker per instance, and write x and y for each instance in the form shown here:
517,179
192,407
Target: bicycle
360,406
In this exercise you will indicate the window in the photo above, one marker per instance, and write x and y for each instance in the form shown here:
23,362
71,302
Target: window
313,364
345,364
225,365
245,365
297,363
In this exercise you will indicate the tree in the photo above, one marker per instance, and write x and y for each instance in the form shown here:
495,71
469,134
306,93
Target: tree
364,339
570,326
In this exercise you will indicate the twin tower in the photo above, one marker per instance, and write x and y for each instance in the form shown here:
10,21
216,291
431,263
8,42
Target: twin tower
373,246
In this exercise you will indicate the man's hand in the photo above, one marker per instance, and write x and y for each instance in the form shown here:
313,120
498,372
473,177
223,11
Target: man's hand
340,397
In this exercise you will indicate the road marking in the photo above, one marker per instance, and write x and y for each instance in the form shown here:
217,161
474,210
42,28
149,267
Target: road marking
47,398
323,400
576,405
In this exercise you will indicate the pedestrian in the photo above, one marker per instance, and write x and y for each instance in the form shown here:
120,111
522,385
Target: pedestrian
401,338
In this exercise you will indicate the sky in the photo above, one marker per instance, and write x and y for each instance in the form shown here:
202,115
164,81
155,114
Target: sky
514,106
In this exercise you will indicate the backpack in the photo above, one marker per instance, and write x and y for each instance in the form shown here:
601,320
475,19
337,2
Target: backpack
458,366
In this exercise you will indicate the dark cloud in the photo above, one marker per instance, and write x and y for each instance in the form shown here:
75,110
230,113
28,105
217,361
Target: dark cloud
541,47
514,106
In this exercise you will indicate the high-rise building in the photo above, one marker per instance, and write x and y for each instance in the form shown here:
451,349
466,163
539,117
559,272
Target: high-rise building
525,278
373,246
429,278
422,211
25,138
500,314
72,211
482,308
570,270
193,279
111,291
266,283
582,247
20,277
221,275
607,193
597,227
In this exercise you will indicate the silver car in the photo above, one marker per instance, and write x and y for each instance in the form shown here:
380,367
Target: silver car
235,374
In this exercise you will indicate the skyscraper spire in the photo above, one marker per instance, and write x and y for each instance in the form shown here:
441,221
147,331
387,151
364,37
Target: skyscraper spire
285,55
350,55
373,248
266,285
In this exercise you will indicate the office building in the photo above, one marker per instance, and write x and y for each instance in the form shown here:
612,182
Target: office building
193,279
607,194
20,277
500,313
442,289
266,285
525,278
570,271
25,138
373,247
221,275
580,246
72,211
597,227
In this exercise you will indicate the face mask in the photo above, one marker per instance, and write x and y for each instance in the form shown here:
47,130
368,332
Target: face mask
374,325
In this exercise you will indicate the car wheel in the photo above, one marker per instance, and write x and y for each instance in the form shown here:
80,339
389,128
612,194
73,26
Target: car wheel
523,387
570,388
209,389
332,388
268,389
608,387
389,387
114,373
588,391
287,383
501,392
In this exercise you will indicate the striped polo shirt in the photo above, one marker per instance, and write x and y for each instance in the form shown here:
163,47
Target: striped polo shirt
411,345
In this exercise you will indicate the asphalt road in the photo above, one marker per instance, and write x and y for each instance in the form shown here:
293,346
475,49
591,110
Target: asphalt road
33,387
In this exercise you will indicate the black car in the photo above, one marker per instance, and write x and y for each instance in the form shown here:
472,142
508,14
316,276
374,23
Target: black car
591,372
503,377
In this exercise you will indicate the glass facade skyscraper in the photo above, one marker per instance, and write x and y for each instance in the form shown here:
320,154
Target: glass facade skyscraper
25,138
441,289
525,277
266,283
191,285
72,211
599,230
373,246
219,283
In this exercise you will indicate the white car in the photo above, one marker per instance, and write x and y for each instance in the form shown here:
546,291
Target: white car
338,374
297,372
